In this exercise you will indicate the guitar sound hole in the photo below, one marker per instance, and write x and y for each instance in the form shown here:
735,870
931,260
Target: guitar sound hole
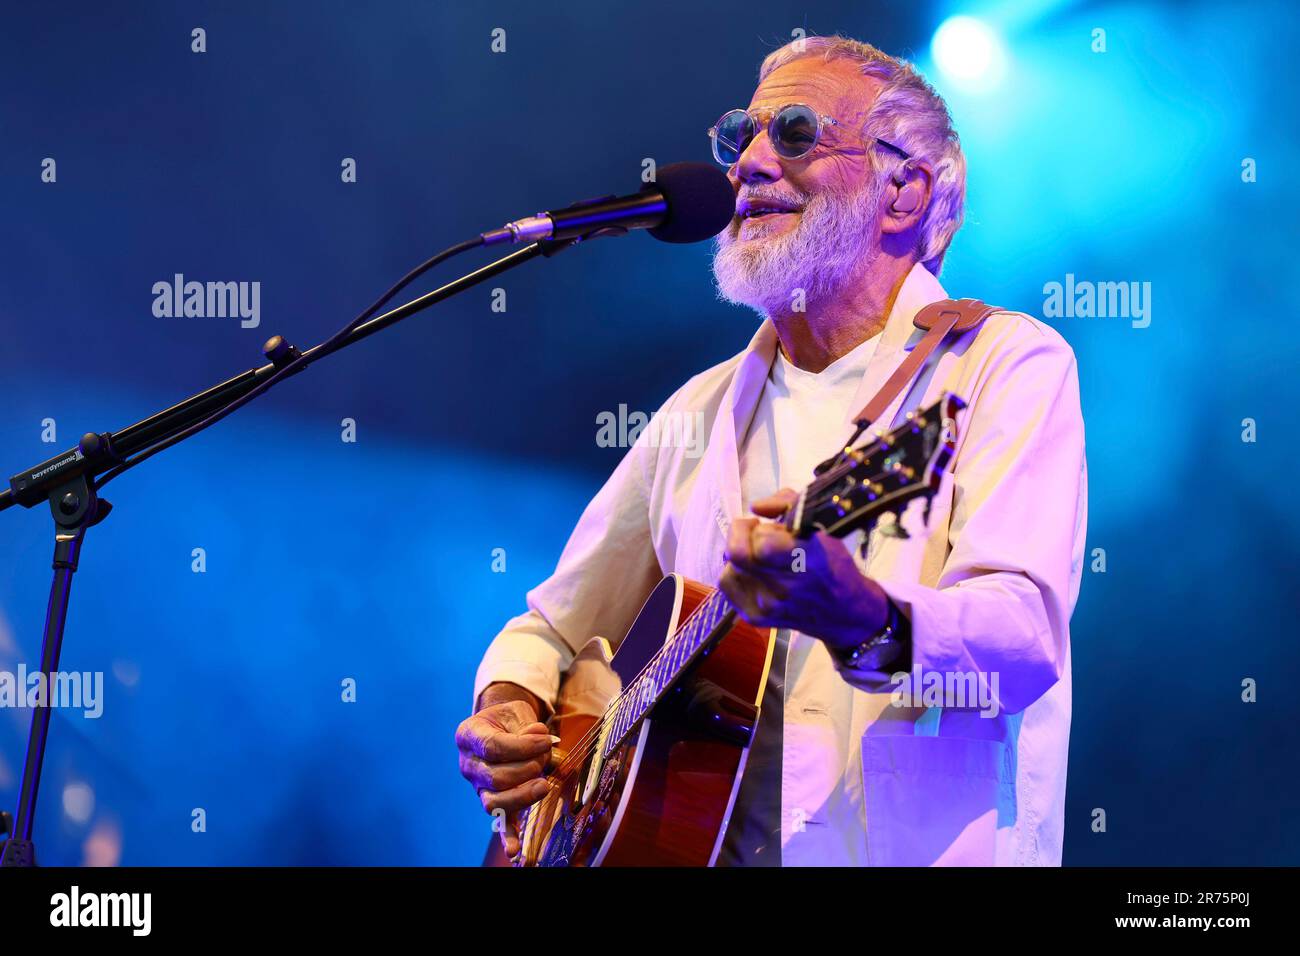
559,844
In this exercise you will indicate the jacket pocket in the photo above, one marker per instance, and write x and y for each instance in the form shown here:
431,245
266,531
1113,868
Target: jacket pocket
936,801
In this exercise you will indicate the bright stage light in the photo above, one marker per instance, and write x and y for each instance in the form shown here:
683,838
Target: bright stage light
969,53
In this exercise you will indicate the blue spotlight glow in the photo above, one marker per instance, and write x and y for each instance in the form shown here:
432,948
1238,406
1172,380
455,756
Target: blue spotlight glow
969,53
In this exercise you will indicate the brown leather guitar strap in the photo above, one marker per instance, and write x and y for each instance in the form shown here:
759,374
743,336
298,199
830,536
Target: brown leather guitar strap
937,319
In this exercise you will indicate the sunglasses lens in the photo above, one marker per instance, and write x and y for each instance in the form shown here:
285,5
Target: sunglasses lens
794,132
732,134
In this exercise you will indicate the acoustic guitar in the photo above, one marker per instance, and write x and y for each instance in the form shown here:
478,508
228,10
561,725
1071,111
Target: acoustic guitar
651,780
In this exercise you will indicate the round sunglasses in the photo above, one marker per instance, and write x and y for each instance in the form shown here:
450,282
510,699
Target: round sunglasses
793,130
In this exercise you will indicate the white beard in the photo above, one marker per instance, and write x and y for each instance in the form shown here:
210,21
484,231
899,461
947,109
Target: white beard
837,236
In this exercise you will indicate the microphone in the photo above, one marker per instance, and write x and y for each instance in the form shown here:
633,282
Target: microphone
687,202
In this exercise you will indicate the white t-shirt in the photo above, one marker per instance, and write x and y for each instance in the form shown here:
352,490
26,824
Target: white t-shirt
800,421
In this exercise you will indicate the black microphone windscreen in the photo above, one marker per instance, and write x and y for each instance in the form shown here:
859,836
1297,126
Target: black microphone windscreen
701,202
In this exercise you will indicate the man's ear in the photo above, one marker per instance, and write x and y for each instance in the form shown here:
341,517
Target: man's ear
907,197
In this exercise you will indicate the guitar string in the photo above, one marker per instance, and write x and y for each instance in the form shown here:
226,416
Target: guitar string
594,732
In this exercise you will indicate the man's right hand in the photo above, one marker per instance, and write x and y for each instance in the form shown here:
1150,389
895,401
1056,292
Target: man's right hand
503,752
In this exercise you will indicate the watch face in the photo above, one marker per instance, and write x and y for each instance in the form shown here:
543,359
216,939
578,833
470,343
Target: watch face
874,654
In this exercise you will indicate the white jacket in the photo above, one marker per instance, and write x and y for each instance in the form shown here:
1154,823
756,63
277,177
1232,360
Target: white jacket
989,585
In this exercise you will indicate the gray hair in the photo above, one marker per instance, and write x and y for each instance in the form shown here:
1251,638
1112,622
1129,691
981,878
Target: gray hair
910,114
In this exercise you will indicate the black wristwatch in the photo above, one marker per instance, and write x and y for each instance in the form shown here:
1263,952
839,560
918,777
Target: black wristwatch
881,649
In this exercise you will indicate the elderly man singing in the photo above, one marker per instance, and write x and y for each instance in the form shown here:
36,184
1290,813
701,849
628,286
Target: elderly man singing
850,184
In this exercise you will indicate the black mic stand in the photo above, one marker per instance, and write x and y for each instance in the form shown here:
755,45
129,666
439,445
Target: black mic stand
67,482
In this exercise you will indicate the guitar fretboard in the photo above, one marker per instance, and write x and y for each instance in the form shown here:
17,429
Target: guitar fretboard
665,667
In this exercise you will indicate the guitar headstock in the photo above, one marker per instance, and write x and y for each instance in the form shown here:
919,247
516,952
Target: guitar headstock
881,476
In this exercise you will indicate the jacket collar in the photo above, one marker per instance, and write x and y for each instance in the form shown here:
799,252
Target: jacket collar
918,290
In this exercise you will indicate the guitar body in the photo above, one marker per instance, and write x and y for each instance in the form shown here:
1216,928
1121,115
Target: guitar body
663,796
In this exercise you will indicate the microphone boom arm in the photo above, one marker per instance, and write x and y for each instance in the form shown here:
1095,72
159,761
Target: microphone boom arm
96,453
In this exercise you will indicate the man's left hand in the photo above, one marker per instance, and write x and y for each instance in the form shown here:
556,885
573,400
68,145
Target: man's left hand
810,585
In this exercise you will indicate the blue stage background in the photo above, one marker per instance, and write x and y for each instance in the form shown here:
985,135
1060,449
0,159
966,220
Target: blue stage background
476,429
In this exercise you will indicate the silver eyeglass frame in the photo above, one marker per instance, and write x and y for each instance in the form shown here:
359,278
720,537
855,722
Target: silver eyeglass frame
755,117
